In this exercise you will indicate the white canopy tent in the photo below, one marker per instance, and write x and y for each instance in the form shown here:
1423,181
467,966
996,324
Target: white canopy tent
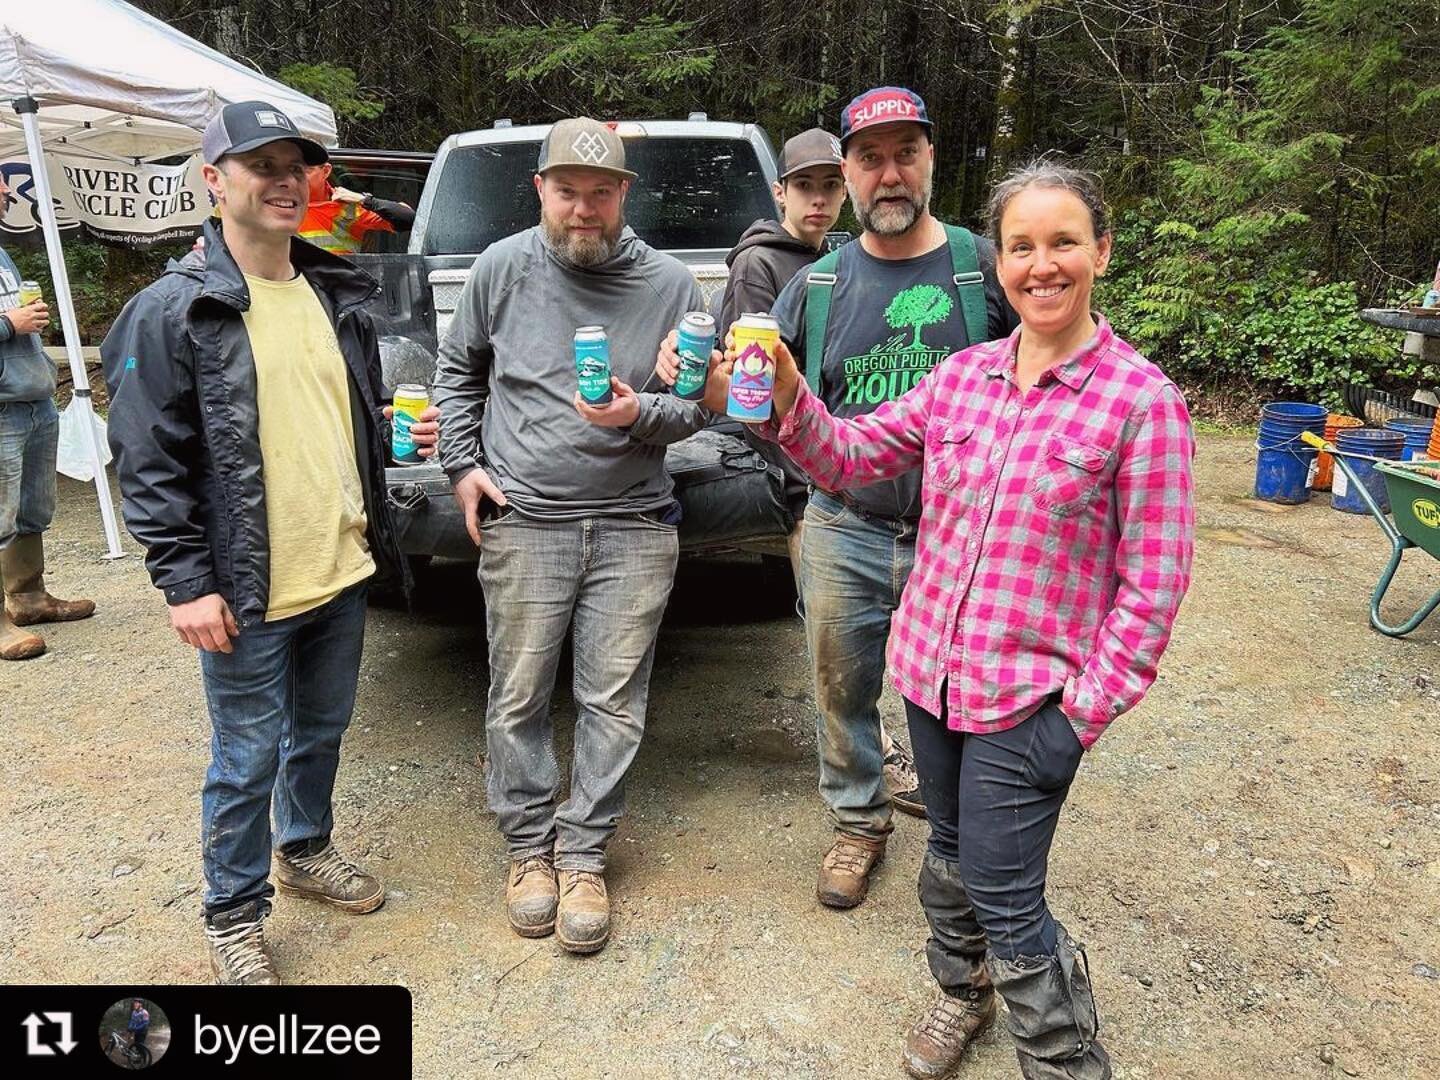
102,81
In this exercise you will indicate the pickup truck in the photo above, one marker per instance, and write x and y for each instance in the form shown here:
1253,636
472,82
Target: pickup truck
702,182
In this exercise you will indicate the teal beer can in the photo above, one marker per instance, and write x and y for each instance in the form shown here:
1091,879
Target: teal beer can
592,364
694,341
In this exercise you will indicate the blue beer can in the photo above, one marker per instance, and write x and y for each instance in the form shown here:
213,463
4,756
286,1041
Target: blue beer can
694,340
592,364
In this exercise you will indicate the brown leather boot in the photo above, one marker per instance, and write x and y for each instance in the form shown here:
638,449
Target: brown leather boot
583,921
936,1043
22,565
531,894
845,872
17,644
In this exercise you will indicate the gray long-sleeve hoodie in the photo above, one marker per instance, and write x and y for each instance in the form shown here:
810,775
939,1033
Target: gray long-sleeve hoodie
505,382
26,373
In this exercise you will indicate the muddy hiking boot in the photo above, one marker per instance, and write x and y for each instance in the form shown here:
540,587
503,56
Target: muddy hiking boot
531,894
935,1045
238,954
956,954
17,644
903,782
1052,1013
583,921
845,871
22,566
330,877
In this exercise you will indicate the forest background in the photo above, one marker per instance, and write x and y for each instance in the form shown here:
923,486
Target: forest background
1273,165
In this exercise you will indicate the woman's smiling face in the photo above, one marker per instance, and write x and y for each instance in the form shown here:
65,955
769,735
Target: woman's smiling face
1049,258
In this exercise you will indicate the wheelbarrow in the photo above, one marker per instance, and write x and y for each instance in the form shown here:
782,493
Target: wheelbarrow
1414,490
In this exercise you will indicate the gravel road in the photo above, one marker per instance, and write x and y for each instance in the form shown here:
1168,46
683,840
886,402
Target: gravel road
1252,857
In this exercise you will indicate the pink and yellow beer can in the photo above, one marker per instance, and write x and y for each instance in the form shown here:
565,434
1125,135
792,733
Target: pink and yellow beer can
752,379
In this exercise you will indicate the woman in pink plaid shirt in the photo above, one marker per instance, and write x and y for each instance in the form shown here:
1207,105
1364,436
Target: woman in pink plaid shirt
1054,549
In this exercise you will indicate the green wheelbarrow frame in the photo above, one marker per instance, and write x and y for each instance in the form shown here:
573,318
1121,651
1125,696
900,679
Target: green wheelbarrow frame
1415,502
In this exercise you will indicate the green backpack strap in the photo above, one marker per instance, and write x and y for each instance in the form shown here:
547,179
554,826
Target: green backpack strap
969,282
819,286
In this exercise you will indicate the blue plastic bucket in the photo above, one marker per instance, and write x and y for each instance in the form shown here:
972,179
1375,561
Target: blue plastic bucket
1417,436
1283,463
1375,443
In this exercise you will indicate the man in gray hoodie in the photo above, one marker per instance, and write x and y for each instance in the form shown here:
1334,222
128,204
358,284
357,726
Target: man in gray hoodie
29,436
572,510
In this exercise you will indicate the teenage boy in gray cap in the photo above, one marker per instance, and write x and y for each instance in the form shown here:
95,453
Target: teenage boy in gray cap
247,428
572,510
810,192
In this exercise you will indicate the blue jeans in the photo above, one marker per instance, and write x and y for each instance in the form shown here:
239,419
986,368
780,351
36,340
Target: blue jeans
278,706
993,802
29,434
853,570
605,580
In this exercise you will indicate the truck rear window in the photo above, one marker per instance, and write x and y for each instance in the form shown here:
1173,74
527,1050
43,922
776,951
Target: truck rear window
691,193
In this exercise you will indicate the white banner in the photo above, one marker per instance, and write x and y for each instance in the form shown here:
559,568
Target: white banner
121,204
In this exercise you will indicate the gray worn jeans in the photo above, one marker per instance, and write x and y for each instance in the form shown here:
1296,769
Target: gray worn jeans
29,435
610,577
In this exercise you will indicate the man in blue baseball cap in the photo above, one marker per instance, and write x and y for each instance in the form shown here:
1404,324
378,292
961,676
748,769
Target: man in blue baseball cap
866,324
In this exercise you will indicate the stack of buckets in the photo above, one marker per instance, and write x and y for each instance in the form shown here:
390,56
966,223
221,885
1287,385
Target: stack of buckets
1286,469
1325,467
1371,443
1282,468
1418,436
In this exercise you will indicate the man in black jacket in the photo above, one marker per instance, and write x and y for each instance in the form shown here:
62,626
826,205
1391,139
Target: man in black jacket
249,444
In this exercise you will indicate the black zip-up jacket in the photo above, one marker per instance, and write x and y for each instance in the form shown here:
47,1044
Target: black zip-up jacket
761,263
184,424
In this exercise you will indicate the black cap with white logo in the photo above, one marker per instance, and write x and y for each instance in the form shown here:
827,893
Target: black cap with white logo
249,125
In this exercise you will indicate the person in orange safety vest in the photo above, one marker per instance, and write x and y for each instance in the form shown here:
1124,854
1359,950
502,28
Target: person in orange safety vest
338,218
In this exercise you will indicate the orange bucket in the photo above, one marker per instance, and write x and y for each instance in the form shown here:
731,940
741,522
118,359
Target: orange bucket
1433,453
1325,464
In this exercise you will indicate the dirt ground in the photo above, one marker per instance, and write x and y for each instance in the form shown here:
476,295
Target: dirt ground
1252,856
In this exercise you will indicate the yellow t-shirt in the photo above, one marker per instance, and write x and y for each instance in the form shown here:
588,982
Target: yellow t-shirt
314,505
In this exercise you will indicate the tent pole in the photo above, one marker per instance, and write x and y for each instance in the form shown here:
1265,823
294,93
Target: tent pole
28,109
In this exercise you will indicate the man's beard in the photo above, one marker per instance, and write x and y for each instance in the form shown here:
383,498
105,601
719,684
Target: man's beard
890,220
577,249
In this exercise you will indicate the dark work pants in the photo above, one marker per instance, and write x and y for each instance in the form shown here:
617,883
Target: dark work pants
993,802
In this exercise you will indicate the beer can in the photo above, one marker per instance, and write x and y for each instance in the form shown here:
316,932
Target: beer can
592,364
694,341
410,401
752,379
29,292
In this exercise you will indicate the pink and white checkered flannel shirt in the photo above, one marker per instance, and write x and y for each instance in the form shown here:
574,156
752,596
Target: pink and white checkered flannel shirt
1056,530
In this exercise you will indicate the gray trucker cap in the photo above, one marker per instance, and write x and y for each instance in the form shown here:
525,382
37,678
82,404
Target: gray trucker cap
249,125
580,142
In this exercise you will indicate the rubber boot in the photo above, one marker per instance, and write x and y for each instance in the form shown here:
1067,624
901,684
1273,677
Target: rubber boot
1052,1013
22,565
17,644
966,1005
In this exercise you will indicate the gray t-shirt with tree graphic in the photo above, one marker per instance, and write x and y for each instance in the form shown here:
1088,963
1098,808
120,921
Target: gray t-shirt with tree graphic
891,321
